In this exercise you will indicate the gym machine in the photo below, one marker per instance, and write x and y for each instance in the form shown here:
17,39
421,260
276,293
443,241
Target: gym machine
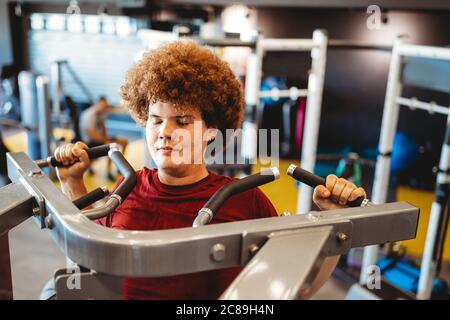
281,255
429,68
35,111
318,48
57,88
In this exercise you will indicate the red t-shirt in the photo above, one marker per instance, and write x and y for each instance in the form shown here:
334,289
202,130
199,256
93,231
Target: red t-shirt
153,205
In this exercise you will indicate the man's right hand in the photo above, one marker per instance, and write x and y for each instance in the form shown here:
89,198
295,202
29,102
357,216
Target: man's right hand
75,159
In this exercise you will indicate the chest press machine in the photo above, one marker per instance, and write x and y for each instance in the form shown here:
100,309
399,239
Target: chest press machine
281,255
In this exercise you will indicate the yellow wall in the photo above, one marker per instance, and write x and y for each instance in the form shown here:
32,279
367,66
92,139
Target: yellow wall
423,200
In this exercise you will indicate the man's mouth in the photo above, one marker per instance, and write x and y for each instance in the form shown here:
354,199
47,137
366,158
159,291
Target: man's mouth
165,148
168,149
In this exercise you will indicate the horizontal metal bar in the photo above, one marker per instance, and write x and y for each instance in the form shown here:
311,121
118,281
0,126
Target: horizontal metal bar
417,104
283,93
186,250
268,44
26,177
379,226
224,42
15,206
354,44
412,50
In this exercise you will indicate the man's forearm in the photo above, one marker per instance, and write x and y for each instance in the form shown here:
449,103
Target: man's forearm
73,189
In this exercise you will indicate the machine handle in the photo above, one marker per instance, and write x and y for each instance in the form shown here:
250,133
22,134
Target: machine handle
121,192
91,197
313,181
126,170
93,153
206,213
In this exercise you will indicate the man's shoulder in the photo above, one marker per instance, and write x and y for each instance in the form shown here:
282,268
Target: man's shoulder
144,174
219,179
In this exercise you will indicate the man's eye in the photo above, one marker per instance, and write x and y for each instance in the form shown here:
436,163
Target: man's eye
182,123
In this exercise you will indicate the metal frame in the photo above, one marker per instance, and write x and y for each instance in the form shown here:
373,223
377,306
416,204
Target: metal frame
318,47
305,239
35,110
393,101
57,87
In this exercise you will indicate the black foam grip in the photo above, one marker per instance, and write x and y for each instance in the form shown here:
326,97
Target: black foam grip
90,198
313,180
93,153
307,177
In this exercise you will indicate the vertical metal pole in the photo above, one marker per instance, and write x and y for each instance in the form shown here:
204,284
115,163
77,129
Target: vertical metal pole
56,88
28,110
312,117
45,126
388,129
252,85
429,263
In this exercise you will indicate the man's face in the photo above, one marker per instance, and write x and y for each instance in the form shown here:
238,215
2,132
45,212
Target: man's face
175,138
103,104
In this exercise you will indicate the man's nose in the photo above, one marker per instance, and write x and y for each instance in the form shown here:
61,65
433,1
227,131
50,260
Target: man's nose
166,130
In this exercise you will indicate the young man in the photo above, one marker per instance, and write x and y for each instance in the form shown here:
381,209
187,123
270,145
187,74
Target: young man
171,91
93,130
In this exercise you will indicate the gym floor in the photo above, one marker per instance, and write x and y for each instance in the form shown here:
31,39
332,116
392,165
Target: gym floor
33,265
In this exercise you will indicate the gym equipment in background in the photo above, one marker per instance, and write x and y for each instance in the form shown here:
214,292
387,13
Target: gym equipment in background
318,48
3,167
292,111
9,100
429,68
269,88
404,152
300,123
60,100
35,114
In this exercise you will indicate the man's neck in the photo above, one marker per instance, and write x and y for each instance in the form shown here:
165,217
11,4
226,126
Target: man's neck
180,179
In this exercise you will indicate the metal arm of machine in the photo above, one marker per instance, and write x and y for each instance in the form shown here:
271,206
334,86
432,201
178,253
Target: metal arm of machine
297,241
186,250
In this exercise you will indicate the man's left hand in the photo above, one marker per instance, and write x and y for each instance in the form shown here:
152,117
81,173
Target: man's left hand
336,193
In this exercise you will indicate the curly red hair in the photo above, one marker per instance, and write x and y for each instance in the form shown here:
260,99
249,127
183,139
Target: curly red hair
187,76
